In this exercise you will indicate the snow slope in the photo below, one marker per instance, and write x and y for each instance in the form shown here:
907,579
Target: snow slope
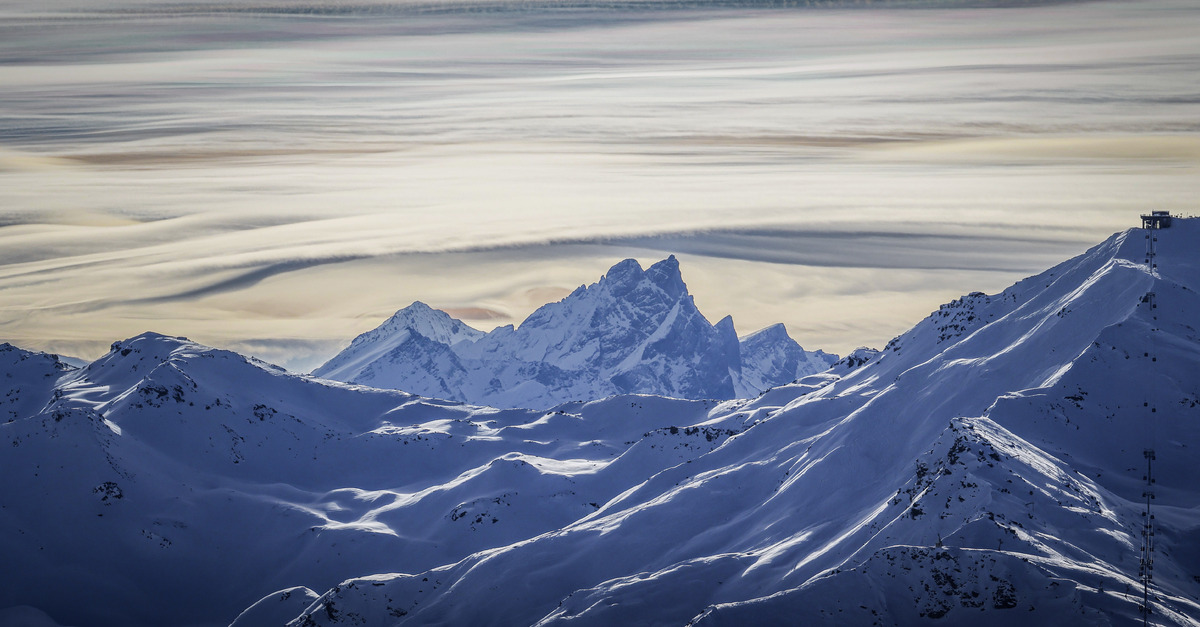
169,483
634,331
987,466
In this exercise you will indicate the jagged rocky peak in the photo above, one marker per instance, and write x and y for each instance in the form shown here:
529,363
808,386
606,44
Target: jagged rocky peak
626,294
623,272
665,274
653,290
634,331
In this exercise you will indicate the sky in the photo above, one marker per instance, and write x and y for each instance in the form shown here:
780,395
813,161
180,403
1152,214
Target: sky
277,177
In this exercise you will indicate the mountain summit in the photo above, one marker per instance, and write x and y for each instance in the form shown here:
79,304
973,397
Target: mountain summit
633,331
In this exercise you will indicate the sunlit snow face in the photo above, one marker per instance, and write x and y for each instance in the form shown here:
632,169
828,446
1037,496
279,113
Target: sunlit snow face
280,183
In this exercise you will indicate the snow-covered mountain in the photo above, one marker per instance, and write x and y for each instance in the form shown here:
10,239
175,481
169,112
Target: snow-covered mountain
169,483
770,357
986,467
407,325
633,331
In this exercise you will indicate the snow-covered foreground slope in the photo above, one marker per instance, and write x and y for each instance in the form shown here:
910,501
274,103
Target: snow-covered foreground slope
986,467
169,483
634,331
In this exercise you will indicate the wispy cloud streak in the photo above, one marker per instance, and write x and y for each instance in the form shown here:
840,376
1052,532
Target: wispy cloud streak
283,180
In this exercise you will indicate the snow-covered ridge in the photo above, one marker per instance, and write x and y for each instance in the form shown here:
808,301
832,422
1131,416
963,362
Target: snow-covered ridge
634,331
987,467
173,483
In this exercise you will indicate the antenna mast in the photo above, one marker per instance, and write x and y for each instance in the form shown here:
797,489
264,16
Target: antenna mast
1152,223
1146,566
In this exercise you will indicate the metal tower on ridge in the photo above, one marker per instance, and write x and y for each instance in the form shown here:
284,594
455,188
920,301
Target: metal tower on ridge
1146,565
1152,223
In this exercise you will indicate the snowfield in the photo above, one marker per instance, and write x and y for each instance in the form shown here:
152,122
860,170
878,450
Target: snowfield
987,467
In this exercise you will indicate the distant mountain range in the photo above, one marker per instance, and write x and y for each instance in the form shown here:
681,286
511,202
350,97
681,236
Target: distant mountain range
633,332
1026,457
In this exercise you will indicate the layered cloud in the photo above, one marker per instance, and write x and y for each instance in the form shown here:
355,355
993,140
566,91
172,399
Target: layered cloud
279,183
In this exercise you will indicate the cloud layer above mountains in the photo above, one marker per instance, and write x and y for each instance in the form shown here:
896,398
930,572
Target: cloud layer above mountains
278,183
